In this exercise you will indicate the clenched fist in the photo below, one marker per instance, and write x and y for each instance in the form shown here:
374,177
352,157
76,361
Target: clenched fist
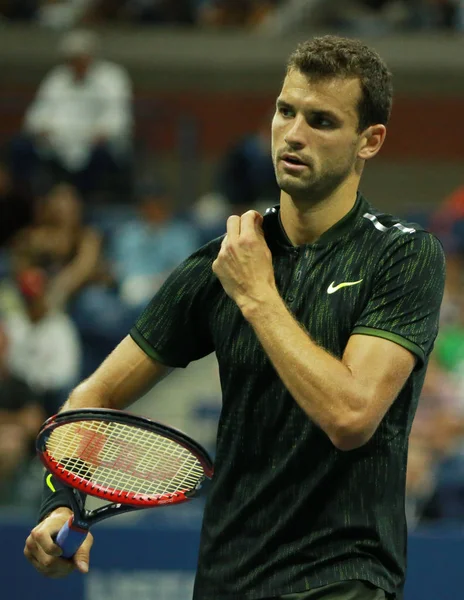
244,263
44,554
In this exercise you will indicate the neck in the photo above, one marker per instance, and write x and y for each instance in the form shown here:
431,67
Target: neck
304,222
36,311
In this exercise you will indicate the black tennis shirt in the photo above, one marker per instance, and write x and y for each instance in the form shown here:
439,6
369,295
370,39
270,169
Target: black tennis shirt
288,511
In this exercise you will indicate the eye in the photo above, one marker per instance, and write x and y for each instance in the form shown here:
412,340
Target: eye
322,122
286,112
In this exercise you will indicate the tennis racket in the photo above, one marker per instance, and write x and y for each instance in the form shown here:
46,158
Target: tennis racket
131,461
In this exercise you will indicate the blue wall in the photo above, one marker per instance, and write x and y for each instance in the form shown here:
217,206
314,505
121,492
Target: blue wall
155,560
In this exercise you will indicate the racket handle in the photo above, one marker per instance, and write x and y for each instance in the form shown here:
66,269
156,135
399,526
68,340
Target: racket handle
70,538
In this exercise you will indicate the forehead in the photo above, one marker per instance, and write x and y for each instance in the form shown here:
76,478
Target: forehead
341,95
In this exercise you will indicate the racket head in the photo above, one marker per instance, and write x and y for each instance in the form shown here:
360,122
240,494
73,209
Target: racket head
123,458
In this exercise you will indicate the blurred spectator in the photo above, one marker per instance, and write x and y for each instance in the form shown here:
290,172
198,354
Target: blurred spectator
246,175
140,254
79,127
449,346
209,216
448,220
450,487
435,482
234,13
433,437
417,14
20,418
142,11
59,14
145,250
59,243
362,16
43,344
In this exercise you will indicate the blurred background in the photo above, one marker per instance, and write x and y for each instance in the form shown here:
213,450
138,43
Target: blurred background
129,131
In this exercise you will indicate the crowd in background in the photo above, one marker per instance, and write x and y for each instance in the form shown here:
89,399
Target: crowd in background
368,15
75,274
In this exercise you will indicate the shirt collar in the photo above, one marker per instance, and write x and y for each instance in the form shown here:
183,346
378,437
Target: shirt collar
276,236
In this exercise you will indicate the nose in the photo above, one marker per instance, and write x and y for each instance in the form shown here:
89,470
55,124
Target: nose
294,137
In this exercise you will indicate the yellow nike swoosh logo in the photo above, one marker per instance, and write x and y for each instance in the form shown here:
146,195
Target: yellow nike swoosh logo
49,483
333,288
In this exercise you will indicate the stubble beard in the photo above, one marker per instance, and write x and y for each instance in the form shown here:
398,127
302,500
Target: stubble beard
313,189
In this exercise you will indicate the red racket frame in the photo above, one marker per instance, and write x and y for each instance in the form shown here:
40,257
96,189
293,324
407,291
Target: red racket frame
114,495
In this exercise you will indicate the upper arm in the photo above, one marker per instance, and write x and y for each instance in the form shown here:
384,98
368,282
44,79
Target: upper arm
381,368
398,325
404,303
124,376
42,105
175,325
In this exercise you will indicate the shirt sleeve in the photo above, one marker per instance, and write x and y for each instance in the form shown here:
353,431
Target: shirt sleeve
404,304
174,328
39,115
116,96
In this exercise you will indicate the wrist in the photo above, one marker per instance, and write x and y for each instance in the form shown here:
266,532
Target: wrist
61,511
257,306
54,497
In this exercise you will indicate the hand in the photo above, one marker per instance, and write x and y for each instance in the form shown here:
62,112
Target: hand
244,263
44,554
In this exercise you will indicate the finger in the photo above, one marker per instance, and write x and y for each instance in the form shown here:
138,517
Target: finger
43,538
250,223
31,549
46,564
56,570
38,553
81,558
233,228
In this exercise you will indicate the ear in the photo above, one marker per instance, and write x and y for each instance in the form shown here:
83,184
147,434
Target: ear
371,141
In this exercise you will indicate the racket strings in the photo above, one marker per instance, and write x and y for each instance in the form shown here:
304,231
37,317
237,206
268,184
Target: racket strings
116,456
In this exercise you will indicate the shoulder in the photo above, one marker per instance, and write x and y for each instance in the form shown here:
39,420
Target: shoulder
107,70
391,232
206,254
57,76
195,272
387,224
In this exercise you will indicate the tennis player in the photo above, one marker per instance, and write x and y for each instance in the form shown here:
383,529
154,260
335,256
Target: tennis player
322,314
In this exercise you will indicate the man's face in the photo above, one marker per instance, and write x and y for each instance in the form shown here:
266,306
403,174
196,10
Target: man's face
80,65
314,135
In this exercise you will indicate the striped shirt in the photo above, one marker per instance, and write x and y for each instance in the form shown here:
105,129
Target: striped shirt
287,510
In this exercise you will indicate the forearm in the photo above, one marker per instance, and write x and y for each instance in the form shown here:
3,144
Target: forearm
97,393
124,377
87,395
320,383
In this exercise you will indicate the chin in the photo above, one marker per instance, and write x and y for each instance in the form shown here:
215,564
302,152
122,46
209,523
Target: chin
293,186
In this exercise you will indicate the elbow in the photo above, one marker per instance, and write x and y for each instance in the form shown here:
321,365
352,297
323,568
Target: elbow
352,434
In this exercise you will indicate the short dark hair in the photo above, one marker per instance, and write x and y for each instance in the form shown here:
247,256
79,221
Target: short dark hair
332,56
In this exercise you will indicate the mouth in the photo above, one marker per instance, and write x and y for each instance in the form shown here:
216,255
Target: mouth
292,162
